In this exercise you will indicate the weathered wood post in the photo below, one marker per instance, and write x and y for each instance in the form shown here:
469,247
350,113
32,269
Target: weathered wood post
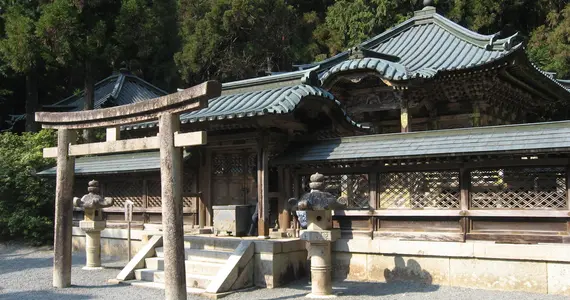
263,187
172,223
63,210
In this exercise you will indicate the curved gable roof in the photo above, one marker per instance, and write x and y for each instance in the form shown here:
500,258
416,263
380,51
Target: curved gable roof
257,103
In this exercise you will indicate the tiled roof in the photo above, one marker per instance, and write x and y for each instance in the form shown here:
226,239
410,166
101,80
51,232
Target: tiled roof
118,89
256,103
431,41
525,138
115,163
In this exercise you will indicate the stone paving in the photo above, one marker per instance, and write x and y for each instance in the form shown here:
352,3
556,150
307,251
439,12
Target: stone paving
25,273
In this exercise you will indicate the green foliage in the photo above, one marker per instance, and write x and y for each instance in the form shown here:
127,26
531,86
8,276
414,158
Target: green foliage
20,47
26,200
350,22
549,45
236,39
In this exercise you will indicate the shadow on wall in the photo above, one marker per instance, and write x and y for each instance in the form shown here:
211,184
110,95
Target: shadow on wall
404,277
411,271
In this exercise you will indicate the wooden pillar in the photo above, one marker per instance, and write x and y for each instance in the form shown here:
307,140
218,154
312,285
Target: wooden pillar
296,195
262,187
405,119
205,187
373,202
476,116
284,195
465,184
568,194
287,194
171,194
63,210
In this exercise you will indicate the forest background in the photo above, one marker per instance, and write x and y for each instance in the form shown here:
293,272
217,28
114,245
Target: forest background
51,49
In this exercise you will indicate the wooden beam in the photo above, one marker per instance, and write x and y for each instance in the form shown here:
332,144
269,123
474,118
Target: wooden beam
189,99
420,236
63,210
528,213
496,213
399,213
131,145
518,238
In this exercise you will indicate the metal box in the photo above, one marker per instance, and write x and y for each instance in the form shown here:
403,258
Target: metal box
232,219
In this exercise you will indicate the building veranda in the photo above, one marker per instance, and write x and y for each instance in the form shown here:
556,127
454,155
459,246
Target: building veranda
450,149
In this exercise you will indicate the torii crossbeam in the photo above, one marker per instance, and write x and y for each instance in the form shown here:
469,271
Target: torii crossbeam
170,142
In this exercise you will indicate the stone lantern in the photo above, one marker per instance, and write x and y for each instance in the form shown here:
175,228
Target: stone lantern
92,223
319,233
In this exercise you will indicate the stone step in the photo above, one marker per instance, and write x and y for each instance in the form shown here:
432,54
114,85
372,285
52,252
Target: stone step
157,276
200,254
218,244
192,267
157,285
207,255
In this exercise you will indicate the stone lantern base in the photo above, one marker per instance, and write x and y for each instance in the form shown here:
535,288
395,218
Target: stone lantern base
92,231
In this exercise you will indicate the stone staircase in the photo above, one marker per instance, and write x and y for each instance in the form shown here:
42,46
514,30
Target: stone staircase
210,265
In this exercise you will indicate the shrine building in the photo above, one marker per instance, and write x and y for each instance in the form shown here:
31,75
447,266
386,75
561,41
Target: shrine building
449,148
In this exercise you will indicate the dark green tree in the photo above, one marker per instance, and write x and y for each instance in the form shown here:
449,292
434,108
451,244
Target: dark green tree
80,33
20,49
146,40
549,46
236,39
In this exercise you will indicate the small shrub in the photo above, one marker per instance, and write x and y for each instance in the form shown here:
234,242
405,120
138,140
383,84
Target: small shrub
26,200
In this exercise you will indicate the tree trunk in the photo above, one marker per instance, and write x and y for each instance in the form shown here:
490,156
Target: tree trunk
89,101
31,100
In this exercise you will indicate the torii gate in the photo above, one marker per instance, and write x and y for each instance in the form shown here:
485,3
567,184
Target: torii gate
169,140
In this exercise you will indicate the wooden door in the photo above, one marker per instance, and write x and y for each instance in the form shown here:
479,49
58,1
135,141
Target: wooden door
232,177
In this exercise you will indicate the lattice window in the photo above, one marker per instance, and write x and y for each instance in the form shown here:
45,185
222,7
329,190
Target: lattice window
519,188
229,164
219,164
154,193
252,164
122,191
351,189
236,164
432,189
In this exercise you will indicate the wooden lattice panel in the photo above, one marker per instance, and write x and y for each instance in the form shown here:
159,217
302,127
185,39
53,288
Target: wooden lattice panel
519,188
190,202
154,193
219,164
122,191
351,189
432,189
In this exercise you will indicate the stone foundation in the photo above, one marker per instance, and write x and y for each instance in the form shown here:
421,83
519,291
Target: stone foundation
529,268
113,242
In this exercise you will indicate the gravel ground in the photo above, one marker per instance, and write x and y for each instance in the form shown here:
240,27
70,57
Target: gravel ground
25,273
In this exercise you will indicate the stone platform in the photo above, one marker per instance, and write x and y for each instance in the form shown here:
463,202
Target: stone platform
276,261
